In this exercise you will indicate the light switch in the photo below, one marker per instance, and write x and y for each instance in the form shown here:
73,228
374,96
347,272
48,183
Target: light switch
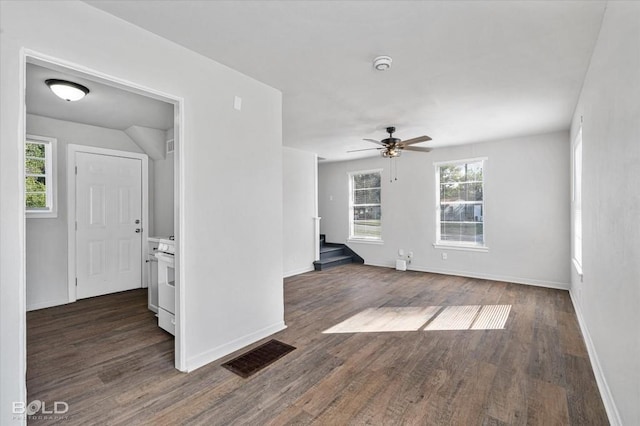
237,103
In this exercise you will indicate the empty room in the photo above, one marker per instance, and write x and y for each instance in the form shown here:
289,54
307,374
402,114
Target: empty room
320,212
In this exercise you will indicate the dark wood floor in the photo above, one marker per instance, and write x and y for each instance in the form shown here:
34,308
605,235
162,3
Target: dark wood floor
107,359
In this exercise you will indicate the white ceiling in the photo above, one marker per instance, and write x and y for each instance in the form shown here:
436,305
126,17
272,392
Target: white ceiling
104,106
462,71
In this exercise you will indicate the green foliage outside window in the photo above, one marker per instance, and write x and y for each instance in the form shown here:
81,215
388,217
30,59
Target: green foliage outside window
35,150
35,179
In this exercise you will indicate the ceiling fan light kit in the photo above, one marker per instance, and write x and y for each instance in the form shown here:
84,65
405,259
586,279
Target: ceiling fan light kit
392,147
391,153
382,63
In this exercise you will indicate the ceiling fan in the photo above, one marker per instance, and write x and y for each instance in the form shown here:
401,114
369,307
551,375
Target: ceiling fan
393,147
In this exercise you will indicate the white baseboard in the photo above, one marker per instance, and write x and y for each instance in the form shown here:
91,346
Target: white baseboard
297,271
605,392
504,278
218,352
47,304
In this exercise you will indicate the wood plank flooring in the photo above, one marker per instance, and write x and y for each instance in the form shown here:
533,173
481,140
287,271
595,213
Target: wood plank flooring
109,361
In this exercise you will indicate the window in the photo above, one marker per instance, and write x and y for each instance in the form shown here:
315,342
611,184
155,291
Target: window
364,206
40,190
460,204
577,202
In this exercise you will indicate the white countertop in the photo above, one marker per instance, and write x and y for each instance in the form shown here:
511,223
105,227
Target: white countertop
160,240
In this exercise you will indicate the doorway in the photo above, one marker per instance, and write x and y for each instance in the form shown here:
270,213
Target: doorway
110,194
93,259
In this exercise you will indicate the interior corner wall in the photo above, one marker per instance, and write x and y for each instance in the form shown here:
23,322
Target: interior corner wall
608,295
526,210
226,213
161,194
299,198
46,238
163,174
163,202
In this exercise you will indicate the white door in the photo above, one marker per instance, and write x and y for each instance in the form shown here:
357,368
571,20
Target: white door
108,232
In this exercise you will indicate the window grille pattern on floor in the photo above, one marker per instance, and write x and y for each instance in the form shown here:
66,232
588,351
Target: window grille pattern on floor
491,317
454,318
436,318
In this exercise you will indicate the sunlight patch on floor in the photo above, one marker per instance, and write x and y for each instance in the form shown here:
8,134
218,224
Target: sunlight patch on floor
385,319
389,319
492,317
454,318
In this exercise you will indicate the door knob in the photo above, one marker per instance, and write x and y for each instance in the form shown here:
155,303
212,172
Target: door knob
138,230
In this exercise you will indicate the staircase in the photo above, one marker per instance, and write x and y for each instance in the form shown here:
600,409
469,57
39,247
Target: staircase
332,254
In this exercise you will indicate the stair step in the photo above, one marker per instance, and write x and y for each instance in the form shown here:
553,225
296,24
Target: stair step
327,248
333,259
334,254
328,251
322,264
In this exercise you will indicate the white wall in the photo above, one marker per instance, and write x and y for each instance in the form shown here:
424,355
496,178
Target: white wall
526,210
608,297
299,196
163,178
47,238
226,213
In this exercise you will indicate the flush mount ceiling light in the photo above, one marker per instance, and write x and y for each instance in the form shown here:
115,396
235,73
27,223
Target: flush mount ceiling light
382,63
67,90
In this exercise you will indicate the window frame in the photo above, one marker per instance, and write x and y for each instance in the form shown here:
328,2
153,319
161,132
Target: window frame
576,201
352,237
51,178
460,245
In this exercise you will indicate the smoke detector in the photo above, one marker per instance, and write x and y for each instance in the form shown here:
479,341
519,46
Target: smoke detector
382,63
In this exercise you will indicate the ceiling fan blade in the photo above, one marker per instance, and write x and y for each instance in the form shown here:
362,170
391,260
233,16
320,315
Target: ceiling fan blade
366,149
416,148
374,141
416,140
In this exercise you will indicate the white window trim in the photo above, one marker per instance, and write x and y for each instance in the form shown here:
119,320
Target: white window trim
462,246
577,263
356,239
51,157
363,240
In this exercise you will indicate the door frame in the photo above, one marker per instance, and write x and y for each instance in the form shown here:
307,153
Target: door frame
48,61
72,178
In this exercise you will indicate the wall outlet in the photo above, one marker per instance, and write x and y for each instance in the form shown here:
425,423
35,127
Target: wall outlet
410,255
444,256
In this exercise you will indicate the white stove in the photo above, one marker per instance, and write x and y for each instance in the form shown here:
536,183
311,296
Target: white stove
166,285
166,246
